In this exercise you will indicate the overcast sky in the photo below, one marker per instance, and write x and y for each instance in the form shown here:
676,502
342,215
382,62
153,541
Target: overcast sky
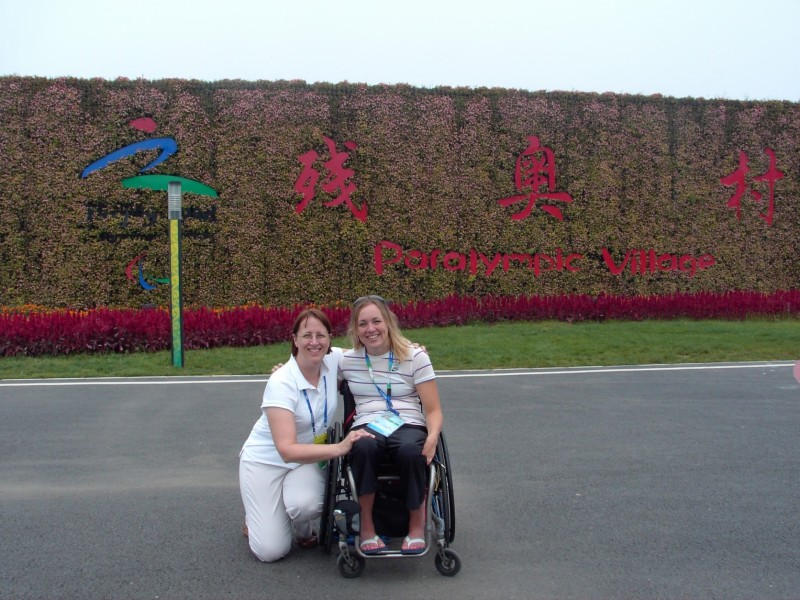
733,49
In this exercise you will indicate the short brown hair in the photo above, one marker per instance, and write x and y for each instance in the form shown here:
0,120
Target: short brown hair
306,314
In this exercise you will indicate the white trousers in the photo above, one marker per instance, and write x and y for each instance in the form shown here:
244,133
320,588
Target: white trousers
274,498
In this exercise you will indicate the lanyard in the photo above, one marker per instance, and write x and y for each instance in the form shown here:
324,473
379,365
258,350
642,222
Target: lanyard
388,395
311,412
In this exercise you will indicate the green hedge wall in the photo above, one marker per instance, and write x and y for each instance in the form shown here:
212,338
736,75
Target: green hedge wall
431,164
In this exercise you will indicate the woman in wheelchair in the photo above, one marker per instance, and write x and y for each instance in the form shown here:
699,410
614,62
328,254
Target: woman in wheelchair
397,400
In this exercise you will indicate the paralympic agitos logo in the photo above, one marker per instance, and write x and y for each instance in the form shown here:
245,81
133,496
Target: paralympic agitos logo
166,146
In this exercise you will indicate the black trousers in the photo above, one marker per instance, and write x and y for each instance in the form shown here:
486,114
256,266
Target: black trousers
404,449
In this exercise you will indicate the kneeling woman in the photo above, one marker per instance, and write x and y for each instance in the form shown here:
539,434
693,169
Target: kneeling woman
397,400
281,482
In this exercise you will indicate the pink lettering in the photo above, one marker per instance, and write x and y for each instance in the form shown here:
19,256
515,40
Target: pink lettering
387,253
637,261
379,260
421,260
490,266
612,266
461,261
640,262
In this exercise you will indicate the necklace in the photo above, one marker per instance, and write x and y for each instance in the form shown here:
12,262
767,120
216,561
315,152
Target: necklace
325,408
387,395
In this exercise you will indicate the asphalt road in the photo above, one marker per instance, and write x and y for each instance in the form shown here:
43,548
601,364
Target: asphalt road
641,483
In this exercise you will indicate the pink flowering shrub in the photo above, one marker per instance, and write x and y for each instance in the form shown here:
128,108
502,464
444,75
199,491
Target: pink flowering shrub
32,332
431,164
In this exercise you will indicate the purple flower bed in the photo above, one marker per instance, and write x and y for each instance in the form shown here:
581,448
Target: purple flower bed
62,332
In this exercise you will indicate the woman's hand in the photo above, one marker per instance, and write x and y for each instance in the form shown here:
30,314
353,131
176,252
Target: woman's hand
429,449
351,438
432,408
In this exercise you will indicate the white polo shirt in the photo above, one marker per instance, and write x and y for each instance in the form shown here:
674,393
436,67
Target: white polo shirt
285,389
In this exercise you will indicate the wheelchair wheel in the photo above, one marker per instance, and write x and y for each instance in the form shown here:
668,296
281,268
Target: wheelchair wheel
446,485
448,563
326,525
351,568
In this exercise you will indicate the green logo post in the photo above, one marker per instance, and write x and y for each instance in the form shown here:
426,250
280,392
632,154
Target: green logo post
176,298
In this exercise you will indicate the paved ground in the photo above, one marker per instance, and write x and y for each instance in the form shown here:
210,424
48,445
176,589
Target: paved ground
581,483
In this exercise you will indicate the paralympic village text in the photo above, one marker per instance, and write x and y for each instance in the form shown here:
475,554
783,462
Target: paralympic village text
636,261
535,179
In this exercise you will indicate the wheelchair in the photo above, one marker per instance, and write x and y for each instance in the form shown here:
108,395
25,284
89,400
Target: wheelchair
339,524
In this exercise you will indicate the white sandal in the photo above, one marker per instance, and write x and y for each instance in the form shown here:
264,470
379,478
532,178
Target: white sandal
408,542
373,540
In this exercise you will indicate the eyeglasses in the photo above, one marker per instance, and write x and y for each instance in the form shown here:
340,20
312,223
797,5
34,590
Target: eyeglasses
307,337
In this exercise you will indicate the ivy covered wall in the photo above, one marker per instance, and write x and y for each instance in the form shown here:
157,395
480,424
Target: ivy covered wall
640,195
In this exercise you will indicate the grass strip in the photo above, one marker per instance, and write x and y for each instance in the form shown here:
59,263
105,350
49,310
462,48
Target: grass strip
476,346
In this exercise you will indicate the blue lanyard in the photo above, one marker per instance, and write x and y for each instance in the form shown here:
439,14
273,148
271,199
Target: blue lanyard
388,394
311,412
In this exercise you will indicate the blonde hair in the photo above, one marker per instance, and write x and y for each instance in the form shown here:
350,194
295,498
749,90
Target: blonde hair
399,343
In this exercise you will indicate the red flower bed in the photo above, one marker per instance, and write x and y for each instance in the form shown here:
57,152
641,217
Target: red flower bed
32,332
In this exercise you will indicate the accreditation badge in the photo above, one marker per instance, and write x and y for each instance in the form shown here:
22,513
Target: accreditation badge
386,424
321,438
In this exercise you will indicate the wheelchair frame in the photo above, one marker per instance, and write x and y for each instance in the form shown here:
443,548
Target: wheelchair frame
439,508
